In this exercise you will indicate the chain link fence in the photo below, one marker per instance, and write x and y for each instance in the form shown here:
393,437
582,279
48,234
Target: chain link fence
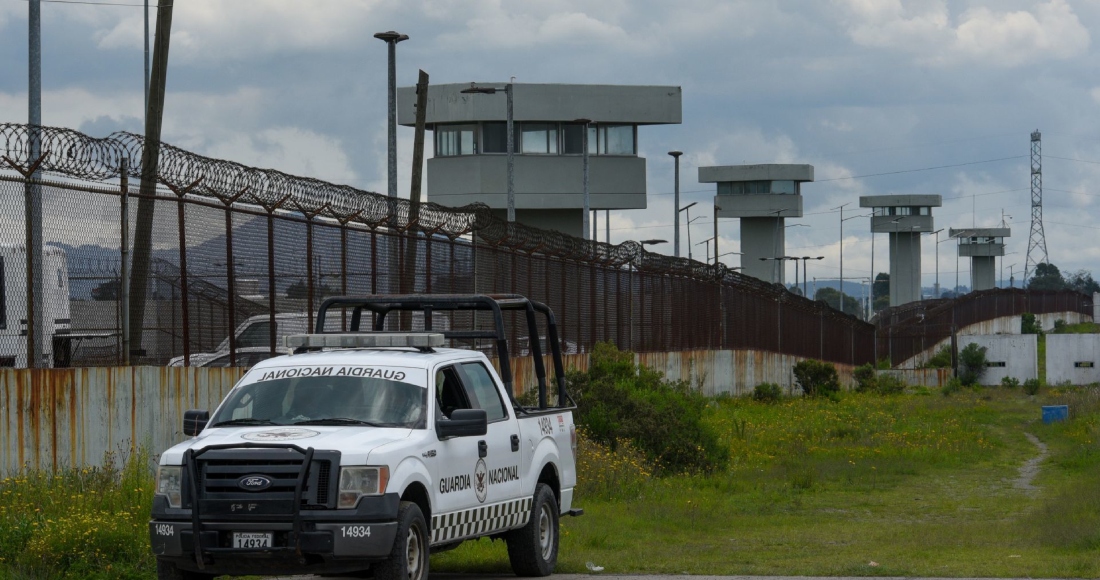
224,259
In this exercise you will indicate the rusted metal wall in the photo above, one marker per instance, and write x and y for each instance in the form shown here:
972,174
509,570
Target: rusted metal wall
53,418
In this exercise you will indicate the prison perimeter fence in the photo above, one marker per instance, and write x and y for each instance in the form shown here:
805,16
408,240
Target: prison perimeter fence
209,246
906,331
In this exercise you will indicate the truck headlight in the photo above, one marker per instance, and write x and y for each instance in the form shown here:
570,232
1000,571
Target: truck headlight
356,482
169,484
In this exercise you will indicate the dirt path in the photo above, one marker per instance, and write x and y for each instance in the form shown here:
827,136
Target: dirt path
1030,468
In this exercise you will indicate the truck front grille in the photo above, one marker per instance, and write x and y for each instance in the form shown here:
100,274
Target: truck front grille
220,471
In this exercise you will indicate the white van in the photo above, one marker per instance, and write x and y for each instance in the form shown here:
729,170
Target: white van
13,306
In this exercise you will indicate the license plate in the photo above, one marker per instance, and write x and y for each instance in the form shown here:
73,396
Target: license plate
251,539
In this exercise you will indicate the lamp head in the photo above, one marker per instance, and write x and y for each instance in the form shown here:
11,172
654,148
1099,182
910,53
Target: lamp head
391,36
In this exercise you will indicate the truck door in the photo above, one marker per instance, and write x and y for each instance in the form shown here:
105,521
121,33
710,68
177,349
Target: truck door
452,463
497,478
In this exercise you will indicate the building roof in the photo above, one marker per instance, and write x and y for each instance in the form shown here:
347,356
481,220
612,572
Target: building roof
980,232
900,200
759,172
630,104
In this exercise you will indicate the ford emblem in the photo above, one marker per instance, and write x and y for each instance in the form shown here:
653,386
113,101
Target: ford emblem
254,482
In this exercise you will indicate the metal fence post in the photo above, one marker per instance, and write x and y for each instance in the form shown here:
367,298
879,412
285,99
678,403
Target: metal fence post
184,299
124,253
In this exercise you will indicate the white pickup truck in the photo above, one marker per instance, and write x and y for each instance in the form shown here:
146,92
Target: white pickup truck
366,451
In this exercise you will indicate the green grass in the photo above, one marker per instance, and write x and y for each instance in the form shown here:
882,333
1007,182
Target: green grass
1079,328
89,523
919,485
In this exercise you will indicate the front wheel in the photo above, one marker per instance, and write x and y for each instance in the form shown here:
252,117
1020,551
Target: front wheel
169,571
409,558
533,549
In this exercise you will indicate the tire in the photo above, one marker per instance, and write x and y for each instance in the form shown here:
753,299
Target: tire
169,571
533,549
409,558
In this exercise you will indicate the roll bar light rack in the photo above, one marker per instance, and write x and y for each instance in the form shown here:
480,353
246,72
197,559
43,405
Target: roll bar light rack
382,304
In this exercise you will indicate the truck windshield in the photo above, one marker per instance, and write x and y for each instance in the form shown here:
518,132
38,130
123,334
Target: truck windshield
325,400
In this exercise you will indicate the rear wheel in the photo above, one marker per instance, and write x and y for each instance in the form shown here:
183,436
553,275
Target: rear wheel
533,549
409,558
169,571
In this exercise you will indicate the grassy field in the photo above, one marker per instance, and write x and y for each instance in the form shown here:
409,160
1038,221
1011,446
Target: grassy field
908,485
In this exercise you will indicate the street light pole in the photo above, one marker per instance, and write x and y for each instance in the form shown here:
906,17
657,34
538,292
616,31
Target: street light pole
690,219
841,208
716,208
510,139
586,213
686,208
676,202
937,232
391,39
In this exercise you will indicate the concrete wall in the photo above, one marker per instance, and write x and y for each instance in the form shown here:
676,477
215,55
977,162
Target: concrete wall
1001,325
1018,353
760,172
762,238
541,181
904,256
933,378
641,104
984,270
758,205
1066,351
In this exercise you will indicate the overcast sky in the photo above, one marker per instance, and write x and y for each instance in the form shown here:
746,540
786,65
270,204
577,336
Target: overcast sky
881,96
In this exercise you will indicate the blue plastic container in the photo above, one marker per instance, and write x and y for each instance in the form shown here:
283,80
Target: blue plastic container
1053,413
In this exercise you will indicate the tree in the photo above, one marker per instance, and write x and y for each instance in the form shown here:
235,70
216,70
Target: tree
1046,277
881,292
971,364
1082,281
831,296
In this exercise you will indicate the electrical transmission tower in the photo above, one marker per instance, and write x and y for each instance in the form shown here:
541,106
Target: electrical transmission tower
1037,242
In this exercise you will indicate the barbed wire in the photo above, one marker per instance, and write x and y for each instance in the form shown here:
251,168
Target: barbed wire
73,154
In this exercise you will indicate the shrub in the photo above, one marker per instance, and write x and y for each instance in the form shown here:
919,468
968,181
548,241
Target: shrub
890,385
767,393
972,364
953,386
1029,325
618,400
1010,382
940,360
866,379
817,378
1031,386
1060,325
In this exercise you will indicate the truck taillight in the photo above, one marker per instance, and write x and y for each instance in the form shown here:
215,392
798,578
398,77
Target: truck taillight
573,438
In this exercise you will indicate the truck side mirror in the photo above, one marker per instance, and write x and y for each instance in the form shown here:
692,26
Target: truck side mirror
194,421
463,423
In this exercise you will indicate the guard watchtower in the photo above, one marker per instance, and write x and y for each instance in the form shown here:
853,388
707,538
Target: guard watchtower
983,246
763,196
904,218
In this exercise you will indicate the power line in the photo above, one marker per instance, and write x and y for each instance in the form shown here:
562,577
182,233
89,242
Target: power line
92,3
921,169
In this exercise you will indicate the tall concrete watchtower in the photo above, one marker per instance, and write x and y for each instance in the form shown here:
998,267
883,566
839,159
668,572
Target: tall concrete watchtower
763,196
904,218
982,246
470,162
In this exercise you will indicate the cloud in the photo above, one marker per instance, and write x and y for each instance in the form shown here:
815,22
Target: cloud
980,35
